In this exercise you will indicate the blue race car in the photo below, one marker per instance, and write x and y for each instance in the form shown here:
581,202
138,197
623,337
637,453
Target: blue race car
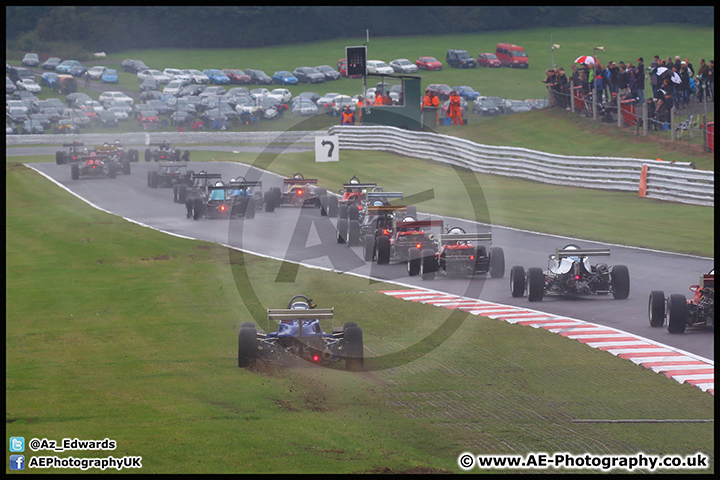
284,77
217,77
299,335
110,76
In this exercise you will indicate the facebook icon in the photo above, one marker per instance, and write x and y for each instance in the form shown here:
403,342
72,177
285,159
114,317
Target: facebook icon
17,462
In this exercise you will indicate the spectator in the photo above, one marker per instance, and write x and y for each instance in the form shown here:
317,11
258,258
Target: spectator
623,81
691,69
702,79
663,110
652,121
684,85
87,79
431,101
676,87
388,99
640,81
379,100
360,105
599,82
562,87
654,83
550,84
614,77
348,117
711,81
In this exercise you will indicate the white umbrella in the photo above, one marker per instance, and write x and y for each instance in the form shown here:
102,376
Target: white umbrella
661,70
585,59
675,78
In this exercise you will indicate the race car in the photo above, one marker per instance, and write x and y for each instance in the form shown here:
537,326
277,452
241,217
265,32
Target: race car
409,241
165,152
252,189
298,192
75,151
171,174
116,149
569,273
93,165
367,215
198,189
350,193
461,253
224,201
678,313
299,335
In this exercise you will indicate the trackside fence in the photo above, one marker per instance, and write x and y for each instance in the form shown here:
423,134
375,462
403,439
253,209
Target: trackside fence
677,182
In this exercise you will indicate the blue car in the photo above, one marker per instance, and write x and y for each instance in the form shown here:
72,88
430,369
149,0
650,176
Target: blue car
284,77
77,70
216,76
50,79
66,65
468,93
110,76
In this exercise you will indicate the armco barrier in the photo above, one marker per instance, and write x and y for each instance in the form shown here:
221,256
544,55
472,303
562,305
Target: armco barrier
677,182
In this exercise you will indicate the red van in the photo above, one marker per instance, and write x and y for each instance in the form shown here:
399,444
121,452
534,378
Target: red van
512,56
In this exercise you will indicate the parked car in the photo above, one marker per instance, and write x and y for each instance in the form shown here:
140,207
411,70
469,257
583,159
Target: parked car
174,86
31,127
191,90
156,75
460,59
51,113
282,95
10,86
29,85
120,113
342,68
428,63
258,77
107,119
329,72
283,77
314,97
17,114
42,118
17,73
196,76
403,65
326,101
217,77
303,107
66,65
441,90
67,84
511,55
77,70
468,93
486,107
133,66
256,93
213,90
308,75
488,60
117,96
378,66
237,76
31,60
177,74
149,84
96,72
51,63
110,75
340,102
514,106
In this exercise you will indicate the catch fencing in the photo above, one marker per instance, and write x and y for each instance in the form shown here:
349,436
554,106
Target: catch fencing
677,182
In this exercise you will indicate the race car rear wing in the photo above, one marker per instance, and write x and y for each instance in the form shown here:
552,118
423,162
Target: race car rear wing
284,314
300,181
585,252
420,224
375,209
445,238
358,186
245,184
173,164
207,175
380,195
73,144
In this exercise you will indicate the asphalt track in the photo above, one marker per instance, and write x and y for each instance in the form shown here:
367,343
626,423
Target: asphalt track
302,235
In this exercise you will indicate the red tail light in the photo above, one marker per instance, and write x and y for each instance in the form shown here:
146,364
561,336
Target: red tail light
316,358
577,277
222,208
472,257
385,232
300,192
418,245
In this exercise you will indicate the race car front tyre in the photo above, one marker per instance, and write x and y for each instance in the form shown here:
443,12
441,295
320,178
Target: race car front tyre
197,208
414,262
620,280
353,347
677,313
269,202
247,344
332,211
154,179
75,172
148,155
182,193
60,157
353,235
189,208
517,281
429,264
656,308
383,249
111,172
341,230
343,211
497,262
536,284
323,205
126,167
369,248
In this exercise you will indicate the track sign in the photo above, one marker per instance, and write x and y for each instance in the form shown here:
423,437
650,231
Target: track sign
356,58
326,149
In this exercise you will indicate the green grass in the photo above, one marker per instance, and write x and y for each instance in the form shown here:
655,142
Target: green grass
114,330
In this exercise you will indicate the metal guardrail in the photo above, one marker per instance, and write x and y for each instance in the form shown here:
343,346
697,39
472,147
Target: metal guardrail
676,182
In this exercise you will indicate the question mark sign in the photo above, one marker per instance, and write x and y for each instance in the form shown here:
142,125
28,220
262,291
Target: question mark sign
330,150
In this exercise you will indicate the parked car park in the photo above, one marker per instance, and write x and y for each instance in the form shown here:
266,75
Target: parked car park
31,60
468,93
428,63
196,76
403,65
96,72
66,65
488,60
177,74
329,72
308,75
378,66
217,77
304,107
133,66
258,77
283,77
29,85
460,59
110,75
237,76
51,63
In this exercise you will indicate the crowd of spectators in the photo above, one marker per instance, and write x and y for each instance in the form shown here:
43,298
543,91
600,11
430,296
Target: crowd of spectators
673,83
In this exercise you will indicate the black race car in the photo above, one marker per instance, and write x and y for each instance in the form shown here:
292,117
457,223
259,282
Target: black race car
570,273
678,313
298,192
93,166
224,201
299,335
171,174
75,151
165,152
461,253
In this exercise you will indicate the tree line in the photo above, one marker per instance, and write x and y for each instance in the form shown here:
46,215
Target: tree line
118,28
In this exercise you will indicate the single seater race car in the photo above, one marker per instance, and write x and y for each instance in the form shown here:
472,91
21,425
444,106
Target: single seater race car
367,216
93,165
570,273
410,242
224,201
461,253
298,192
117,151
350,193
678,313
165,152
76,150
171,174
299,334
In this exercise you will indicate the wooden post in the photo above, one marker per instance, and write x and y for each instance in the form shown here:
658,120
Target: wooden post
572,96
645,118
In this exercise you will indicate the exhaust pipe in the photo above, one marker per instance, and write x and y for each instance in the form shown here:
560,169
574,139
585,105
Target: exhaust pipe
327,354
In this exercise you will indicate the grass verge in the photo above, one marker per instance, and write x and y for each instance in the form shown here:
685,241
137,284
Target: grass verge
114,330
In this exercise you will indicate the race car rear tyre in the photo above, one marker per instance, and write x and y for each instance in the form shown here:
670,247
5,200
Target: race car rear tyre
620,281
182,193
517,281
247,344
383,249
353,212
414,262
250,209
323,205
148,155
75,172
353,235
497,262
186,156
148,179
134,155
197,208
154,179
111,173
536,284
175,193
656,308
343,211
269,202
677,313
60,157
369,248
126,167
277,196
188,208
342,230
429,264
332,211
353,347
